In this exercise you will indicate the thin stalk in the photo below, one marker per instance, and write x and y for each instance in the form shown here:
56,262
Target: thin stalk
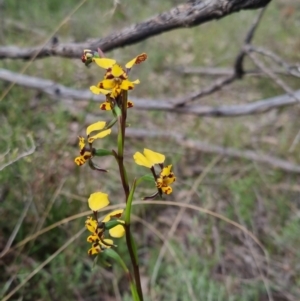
121,116
120,159
134,262
123,174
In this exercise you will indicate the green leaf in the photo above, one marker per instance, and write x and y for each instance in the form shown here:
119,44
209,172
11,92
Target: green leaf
110,253
117,111
145,178
128,204
103,152
110,224
111,123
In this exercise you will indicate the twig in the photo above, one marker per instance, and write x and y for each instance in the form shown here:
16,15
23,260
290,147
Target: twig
188,14
46,42
59,91
273,76
215,71
219,150
237,73
215,86
30,151
293,70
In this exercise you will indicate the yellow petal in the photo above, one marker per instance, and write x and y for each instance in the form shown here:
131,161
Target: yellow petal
166,171
81,142
79,160
167,190
155,158
115,92
104,62
94,250
97,90
108,243
116,213
140,159
137,60
107,84
106,106
92,238
128,85
117,71
117,231
169,179
98,200
99,135
91,224
95,127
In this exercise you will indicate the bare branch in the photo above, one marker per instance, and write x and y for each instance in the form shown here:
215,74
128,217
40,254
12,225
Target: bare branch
219,150
188,14
219,71
58,91
293,70
273,76
215,86
238,70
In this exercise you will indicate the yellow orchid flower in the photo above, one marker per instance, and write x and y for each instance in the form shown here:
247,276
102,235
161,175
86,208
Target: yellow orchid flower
117,231
86,152
116,78
149,159
165,179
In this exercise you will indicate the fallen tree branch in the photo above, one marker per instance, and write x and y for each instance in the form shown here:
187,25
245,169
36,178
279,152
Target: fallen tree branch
272,75
188,14
219,71
59,91
238,68
219,150
293,70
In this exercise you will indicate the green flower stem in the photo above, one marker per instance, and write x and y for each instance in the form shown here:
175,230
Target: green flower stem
131,243
120,160
124,110
134,292
129,202
128,194
120,155
120,138
134,261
